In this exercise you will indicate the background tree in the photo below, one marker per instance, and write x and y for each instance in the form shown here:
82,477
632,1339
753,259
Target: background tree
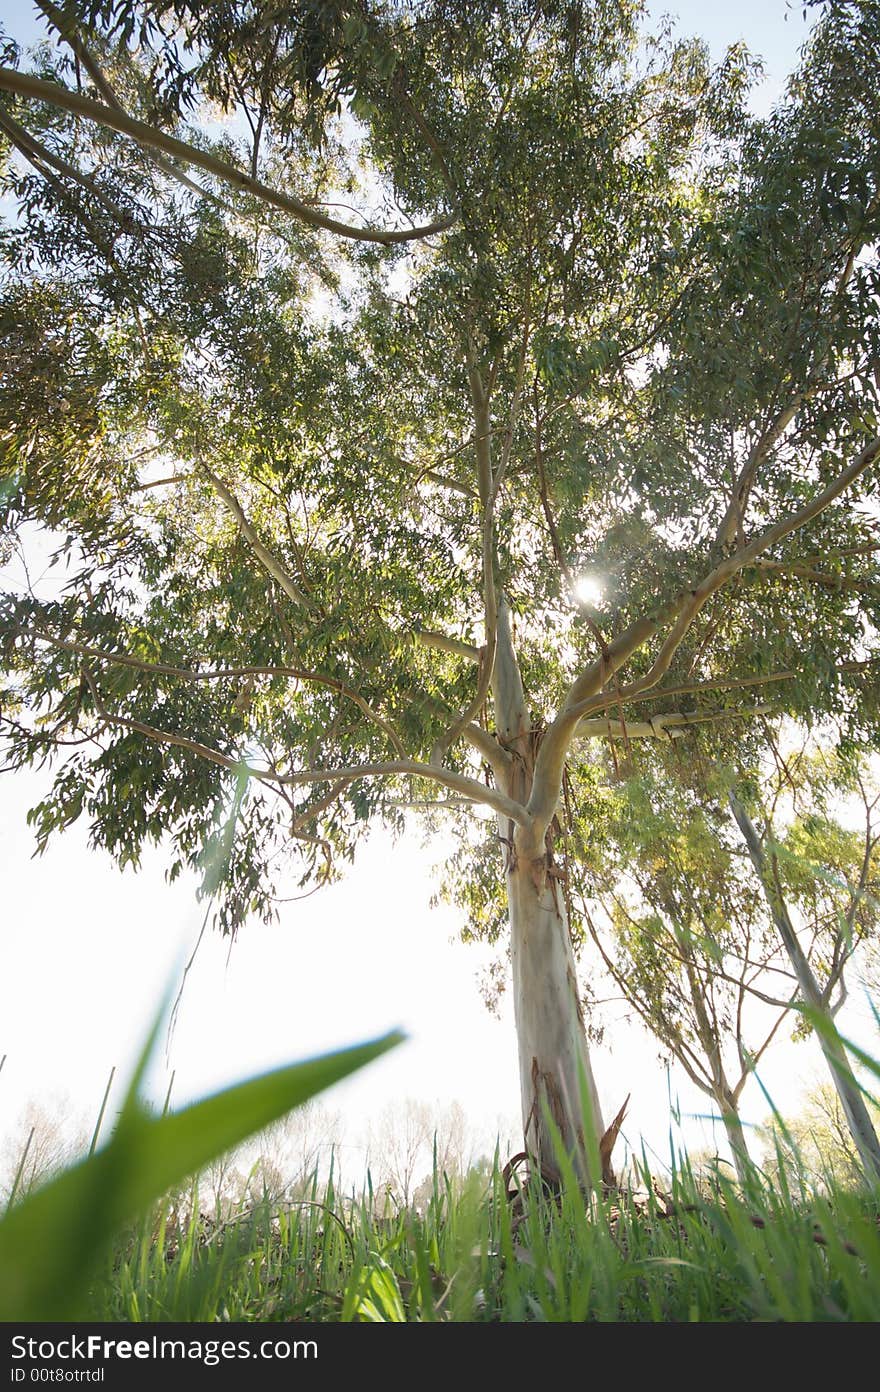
817,1144
45,1139
326,489
683,924
409,1138
283,1163
820,885
684,935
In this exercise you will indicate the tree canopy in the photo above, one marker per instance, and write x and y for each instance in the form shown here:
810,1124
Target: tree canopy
413,391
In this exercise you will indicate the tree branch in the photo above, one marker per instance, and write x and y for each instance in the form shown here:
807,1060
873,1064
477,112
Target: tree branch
673,1040
487,745
60,22
160,482
223,674
732,521
488,493
38,154
692,688
669,725
445,482
447,778
25,85
582,696
442,643
818,577
613,698
263,554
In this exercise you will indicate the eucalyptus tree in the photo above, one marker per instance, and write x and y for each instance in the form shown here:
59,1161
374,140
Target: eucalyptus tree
331,482
669,896
820,884
817,1141
684,935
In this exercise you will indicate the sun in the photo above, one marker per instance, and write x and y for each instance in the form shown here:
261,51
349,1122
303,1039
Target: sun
587,589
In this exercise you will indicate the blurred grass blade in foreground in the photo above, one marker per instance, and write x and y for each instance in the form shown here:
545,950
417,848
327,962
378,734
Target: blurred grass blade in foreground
51,1242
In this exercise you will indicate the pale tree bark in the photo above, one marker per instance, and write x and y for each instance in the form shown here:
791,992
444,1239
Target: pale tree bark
736,1136
557,1087
851,1099
152,139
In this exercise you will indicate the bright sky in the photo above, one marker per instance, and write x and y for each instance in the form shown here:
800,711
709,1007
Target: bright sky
87,951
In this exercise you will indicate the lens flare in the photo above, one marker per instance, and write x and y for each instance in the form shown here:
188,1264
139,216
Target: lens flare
588,590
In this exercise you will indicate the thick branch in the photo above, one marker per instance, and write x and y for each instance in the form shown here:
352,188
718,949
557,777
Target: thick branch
717,578
316,808
446,482
613,698
732,521
442,643
487,745
670,725
25,85
428,135
582,696
447,778
60,22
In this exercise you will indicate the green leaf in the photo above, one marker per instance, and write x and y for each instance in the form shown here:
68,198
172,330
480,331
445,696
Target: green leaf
51,1243
374,1295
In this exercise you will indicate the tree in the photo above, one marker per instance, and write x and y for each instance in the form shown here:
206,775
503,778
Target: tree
685,937
286,1159
331,493
836,875
45,1140
685,928
818,1141
410,1141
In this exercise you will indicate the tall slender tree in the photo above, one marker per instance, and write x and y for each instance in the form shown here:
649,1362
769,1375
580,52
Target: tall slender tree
669,896
684,936
820,887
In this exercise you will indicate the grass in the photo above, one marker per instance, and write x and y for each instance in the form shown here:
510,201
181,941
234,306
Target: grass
125,1235
473,1256
52,1240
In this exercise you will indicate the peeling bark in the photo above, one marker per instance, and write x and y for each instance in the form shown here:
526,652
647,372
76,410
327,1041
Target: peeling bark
556,1079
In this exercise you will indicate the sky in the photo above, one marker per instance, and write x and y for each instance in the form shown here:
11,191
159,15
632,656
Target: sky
87,951
772,29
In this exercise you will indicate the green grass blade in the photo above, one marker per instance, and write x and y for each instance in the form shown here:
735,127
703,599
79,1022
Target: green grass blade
51,1241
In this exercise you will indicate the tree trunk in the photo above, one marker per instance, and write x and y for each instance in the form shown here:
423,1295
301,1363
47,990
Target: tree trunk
736,1138
556,1080
852,1101
709,1036
850,1094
